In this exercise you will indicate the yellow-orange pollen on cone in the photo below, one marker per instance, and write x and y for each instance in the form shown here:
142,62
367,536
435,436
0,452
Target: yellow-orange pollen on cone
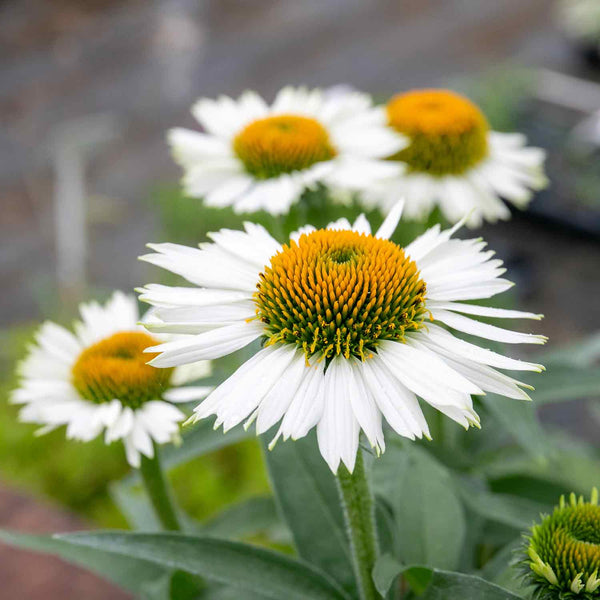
340,293
281,144
115,368
448,134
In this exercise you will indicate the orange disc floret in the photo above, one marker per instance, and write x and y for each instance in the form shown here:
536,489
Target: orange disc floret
448,133
115,368
281,144
340,293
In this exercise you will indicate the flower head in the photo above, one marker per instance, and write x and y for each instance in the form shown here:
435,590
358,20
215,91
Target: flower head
561,556
97,378
253,156
354,329
455,161
581,20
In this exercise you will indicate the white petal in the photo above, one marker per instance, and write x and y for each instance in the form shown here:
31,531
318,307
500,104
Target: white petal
278,399
187,394
212,344
306,407
337,430
363,403
397,403
189,147
417,373
241,393
490,332
207,267
436,337
483,311
191,372
172,296
361,225
390,222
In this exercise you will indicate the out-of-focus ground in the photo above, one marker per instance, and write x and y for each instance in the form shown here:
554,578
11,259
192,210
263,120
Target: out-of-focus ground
141,64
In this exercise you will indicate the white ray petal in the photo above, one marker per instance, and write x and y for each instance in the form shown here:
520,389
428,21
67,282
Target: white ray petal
483,330
209,345
188,393
483,311
436,337
391,221
337,430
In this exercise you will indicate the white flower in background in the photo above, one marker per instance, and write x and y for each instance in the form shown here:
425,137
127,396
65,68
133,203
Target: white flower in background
581,19
253,156
96,379
456,162
355,328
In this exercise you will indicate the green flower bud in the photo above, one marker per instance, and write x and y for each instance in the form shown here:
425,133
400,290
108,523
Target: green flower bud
561,555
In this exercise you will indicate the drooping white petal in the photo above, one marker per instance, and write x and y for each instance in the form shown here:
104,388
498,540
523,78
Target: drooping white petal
338,429
438,337
483,311
363,403
397,403
277,401
212,344
490,332
306,406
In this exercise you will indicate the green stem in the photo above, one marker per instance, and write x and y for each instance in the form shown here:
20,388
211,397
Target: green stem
359,513
156,488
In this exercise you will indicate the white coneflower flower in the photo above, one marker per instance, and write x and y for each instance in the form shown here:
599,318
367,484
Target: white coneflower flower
456,162
253,156
581,20
96,379
354,328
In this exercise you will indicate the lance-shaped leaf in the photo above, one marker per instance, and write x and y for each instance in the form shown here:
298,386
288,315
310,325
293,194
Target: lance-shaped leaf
435,584
242,566
309,502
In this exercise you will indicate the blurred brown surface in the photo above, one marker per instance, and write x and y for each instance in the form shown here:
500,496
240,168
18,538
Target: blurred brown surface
30,576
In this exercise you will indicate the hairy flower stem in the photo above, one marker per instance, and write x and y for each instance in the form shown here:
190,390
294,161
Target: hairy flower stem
359,513
156,488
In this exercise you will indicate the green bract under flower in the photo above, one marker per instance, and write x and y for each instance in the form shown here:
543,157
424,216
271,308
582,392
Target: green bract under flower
115,368
340,293
563,551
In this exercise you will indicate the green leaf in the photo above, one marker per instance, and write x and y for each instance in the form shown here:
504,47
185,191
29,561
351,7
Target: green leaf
243,519
245,567
519,420
127,572
573,466
583,353
308,499
445,585
563,384
428,512
386,527
435,584
135,506
174,586
514,511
